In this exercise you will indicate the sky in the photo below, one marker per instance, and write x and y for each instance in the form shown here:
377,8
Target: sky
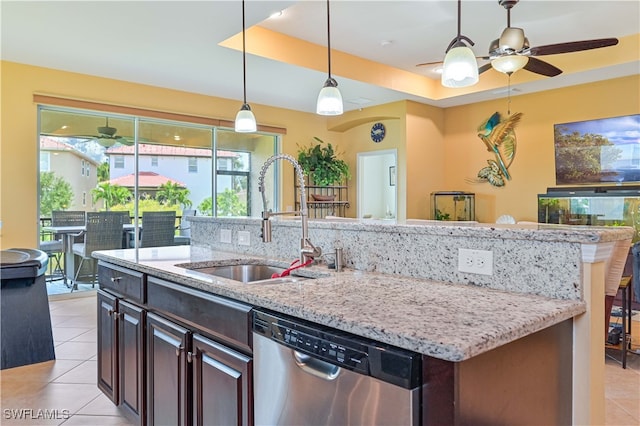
618,130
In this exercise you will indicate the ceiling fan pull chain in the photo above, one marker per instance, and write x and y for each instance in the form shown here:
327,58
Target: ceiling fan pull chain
509,95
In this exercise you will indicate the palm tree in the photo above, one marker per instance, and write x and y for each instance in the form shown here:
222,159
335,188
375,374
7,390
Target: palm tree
111,194
171,194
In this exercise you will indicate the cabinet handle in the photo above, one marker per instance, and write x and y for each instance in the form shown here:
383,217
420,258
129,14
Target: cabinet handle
110,312
191,356
179,350
115,279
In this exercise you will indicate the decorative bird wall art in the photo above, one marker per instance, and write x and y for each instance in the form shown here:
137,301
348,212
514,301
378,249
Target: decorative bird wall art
500,138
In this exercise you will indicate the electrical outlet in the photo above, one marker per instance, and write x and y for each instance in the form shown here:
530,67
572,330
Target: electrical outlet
225,236
475,261
244,238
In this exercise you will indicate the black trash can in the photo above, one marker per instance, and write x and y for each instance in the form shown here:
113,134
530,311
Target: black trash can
25,320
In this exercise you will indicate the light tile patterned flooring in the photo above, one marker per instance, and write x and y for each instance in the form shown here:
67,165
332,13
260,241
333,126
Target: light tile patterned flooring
68,384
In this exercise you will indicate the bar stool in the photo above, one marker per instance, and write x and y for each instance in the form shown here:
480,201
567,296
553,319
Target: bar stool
625,287
625,313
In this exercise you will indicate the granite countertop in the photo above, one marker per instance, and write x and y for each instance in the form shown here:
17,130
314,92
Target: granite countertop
453,322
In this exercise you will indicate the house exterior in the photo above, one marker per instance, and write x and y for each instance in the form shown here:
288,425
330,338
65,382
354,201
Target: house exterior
76,168
189,167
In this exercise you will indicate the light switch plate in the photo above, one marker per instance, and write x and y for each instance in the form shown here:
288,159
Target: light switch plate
225,236
244,238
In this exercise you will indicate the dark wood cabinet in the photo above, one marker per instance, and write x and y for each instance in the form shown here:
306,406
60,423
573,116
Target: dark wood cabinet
222,384
173,355
121,353
107,345
131,359
167,370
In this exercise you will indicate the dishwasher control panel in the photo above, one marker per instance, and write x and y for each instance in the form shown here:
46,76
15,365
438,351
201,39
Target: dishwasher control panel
359,354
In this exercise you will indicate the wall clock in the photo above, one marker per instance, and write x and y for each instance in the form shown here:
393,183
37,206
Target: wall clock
377,132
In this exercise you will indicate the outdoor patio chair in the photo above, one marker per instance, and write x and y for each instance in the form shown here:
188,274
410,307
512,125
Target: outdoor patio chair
54,248
103,232
158,229
184,229
126,236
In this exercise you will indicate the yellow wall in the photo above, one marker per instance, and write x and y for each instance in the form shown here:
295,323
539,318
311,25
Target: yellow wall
533,169
19,132
441,151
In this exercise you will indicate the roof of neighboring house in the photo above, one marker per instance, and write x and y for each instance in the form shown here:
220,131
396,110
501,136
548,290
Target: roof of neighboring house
145,180
53,144
167,150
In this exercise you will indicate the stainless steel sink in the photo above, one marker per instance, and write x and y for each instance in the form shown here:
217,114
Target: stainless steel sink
243,273
248,273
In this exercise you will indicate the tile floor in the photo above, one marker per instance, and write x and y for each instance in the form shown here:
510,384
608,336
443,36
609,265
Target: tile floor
68,384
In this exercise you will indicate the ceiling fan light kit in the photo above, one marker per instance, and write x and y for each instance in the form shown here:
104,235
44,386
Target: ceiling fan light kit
105,142
329,99
509,64
511,39
460,67
245,120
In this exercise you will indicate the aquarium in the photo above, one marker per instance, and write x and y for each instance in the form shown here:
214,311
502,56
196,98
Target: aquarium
453,205
600,205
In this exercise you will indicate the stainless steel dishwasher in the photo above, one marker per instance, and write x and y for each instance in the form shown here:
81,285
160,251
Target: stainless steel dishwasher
308,374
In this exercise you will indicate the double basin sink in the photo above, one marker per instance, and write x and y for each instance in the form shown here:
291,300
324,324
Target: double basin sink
251,272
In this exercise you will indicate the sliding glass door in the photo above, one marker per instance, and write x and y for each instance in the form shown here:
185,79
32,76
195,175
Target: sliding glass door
97,161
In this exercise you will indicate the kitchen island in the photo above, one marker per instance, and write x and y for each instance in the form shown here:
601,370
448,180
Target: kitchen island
511,347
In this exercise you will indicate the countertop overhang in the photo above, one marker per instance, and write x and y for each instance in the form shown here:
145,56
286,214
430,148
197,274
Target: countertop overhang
453,322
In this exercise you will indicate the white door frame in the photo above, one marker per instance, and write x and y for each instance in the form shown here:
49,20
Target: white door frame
360,158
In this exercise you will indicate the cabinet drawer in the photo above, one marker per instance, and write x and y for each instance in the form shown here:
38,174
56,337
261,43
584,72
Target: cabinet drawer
121,281
225,319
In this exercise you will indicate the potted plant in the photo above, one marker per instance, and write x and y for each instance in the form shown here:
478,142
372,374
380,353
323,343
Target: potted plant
320,162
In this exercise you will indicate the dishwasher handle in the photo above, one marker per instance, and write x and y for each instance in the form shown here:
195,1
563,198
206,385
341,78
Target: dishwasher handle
316,367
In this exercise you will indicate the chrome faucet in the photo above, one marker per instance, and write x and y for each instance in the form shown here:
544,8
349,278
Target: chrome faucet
307,250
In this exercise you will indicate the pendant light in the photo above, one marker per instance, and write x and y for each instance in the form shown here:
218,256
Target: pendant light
460,68
329,98
245,120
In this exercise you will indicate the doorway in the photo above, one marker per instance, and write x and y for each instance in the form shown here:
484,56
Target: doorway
377,183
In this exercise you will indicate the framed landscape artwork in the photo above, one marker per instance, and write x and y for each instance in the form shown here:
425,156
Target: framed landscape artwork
606,150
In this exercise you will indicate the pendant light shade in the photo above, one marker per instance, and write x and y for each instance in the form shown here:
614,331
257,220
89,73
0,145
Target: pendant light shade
460,68
245,120
329,98
509,64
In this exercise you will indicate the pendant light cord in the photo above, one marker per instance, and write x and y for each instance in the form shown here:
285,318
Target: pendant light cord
244,59
328,39
459,19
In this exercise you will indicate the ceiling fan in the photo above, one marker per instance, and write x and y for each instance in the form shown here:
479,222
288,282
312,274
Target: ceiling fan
107,136
512,52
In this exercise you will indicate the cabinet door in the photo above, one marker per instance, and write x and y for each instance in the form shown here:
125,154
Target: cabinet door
167,390
107,345
222,384
131,359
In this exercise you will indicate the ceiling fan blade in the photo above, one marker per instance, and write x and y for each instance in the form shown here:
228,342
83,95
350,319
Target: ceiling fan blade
484,68
573,46
428,63
541,67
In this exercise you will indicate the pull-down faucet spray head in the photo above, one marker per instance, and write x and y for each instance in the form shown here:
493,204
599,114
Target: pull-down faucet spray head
307,250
